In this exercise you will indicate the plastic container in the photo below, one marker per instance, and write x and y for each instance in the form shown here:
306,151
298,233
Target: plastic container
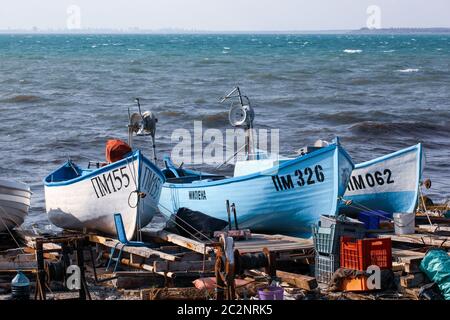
271,293
359,283
405,223
325,240
20,287
344,226
325,266
372,219
360,254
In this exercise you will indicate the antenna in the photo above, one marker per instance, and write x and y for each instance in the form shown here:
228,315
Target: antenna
142,124
241,115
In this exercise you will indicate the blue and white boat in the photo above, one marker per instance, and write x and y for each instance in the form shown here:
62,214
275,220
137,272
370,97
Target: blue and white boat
389,183
86,199
285,197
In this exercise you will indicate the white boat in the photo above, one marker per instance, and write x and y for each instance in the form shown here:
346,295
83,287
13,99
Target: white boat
389,183
87,199
15,198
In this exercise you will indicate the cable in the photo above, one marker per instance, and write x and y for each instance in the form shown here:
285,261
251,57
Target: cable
9,231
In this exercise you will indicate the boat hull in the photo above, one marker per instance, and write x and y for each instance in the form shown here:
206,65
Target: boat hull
390,183
15,201
284,199
90,201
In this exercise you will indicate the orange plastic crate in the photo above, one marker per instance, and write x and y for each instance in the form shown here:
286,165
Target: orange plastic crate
358,283
360,254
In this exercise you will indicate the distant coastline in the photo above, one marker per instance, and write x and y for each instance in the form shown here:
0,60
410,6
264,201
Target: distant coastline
402,31
364,31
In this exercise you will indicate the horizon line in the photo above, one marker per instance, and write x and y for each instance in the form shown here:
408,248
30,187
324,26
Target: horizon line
135,30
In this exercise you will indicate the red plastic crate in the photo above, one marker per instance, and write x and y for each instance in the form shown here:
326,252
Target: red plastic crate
360,254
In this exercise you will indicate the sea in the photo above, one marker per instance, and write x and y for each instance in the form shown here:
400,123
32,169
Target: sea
63,96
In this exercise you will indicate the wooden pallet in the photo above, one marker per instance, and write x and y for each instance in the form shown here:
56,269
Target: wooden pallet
285,247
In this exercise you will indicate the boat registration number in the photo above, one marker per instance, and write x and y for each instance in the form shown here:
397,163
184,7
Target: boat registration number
110,182
300,178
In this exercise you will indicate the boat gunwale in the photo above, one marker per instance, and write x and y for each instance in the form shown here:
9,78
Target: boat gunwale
331,148
417,147
136,156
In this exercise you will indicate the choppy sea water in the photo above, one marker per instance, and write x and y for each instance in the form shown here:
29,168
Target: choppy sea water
65,95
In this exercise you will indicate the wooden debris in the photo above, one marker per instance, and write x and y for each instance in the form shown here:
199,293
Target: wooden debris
242,234
175,294
413,280
420,239
133,280
298,280
184,242
199,266
139,251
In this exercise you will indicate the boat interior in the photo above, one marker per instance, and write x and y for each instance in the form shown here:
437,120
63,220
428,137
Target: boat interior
176,174
67,172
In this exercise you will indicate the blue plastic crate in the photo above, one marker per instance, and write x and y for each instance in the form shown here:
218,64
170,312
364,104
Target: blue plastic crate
325,266
326,240
372,219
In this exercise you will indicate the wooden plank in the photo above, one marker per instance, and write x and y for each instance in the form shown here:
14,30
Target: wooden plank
275,243
133,280
413,280
166,266
139,251
174,294
422,239
184,242
13,265
298,280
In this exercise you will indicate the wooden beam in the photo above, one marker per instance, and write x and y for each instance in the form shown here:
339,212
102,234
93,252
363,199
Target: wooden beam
166,266
184,242
422,239
139,251
413,280
133,280
298,280
174,294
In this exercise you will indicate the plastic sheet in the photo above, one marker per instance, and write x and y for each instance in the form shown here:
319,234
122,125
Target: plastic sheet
436,265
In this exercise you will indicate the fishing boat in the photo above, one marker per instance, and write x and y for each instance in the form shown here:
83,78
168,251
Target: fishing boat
15,198
79,198
389,183
271,195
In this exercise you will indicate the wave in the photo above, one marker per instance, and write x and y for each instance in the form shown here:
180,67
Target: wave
409,70
414,128
353,51
22,99
215,120
351,117
172,113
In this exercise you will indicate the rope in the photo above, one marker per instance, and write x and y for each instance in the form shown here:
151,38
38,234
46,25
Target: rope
134,179
184,229
9,231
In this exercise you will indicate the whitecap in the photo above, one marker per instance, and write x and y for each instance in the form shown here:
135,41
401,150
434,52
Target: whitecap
131,49
409,70
94,46
226,48
352,50
388,51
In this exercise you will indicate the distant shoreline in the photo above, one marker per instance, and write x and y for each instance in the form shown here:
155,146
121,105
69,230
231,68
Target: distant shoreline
362,31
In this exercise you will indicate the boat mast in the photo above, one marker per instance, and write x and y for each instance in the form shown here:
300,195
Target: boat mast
242,116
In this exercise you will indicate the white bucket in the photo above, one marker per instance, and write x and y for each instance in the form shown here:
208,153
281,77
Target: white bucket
405,223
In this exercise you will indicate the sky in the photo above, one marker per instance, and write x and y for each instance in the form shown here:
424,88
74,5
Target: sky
221,15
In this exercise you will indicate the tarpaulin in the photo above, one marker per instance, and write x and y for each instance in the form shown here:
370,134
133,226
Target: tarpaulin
436,265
